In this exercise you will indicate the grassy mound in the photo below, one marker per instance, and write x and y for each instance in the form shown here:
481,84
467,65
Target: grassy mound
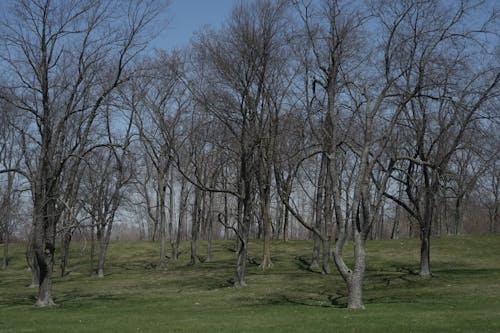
135,296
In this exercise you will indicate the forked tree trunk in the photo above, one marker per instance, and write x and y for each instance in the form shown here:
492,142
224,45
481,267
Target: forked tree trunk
353,278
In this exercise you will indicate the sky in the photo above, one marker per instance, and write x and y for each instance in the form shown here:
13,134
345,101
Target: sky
184,17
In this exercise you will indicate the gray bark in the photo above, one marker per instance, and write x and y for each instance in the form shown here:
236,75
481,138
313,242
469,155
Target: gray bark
195,224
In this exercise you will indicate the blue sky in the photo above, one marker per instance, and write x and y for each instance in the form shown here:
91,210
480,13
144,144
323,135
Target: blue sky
184,17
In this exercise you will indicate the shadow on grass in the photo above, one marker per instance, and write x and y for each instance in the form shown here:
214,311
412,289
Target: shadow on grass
466,272
304,265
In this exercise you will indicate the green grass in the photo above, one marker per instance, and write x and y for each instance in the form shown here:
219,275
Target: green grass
462,296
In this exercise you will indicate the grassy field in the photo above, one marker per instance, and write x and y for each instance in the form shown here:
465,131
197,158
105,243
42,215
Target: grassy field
462,296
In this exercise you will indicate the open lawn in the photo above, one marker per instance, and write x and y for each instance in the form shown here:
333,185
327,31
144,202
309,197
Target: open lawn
462,296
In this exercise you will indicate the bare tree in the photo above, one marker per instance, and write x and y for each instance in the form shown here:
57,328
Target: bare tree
107,180
438,47
160,104
64,60
109,171
237,64
10,159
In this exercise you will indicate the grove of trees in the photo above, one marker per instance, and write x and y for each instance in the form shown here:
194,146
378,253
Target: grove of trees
336,121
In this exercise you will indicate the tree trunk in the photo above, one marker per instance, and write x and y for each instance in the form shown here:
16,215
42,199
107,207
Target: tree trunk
92,251
182,211
7,205
266,219
163,218
425,245
395,225
45,262
325,267
245,208
209,227
241,264
318,216
65,242
5,260
458,216
195,226
30,260
432,186
171,205
355,284
103,248
244,228
315,252
285,222
279,218
380,219
44,238
494,218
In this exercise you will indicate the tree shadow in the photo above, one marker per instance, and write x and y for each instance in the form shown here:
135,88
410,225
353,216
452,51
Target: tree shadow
304,265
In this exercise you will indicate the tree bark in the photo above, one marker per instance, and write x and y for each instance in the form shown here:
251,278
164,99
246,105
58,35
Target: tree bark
266,255
195,225
286,220
30,260
318,216
458,216
265,209
5,259
43,247
173,249
425,245
65,243
355,284
92,251
7,205
325,266
241,264
209,226
162,217
244,221
103,247
182,212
